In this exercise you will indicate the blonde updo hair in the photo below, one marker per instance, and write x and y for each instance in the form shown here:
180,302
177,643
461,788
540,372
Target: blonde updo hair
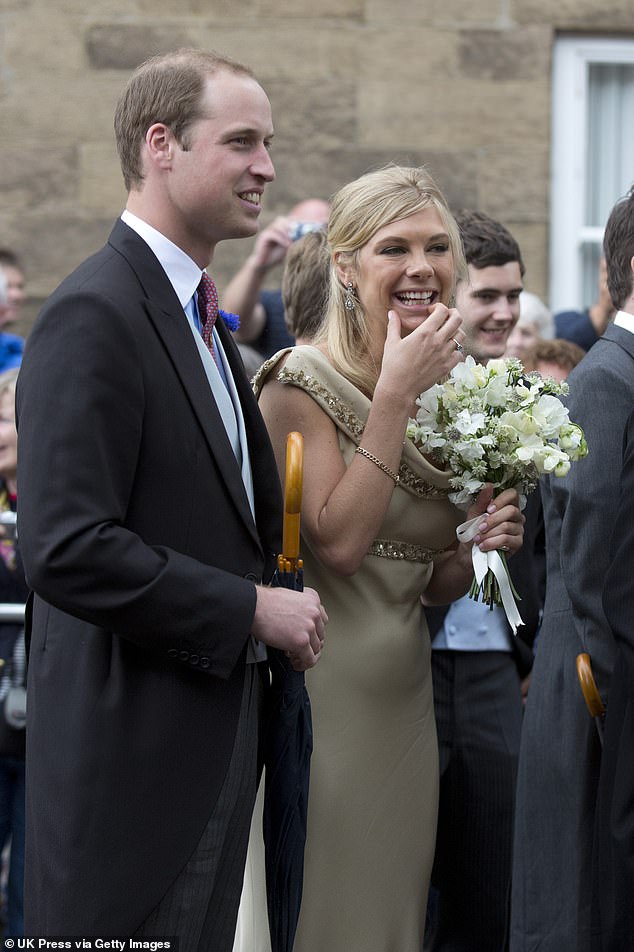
359,210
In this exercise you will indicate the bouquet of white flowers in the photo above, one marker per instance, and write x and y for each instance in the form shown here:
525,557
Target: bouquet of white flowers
502,425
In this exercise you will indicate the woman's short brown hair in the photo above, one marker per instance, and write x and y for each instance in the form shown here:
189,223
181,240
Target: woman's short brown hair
562,353
305,284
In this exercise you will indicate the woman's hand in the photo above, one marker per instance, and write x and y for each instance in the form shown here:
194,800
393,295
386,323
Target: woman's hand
502,525
414,363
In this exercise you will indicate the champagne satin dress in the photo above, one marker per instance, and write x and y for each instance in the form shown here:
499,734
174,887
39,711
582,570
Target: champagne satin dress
374,772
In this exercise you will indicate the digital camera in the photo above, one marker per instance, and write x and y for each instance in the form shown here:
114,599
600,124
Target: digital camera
300,228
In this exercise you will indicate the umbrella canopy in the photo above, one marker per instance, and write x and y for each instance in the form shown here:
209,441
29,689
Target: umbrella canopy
289,741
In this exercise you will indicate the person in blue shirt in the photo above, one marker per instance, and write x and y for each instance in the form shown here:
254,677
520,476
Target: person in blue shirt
11,300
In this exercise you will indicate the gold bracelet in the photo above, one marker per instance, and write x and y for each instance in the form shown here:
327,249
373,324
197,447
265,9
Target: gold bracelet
379,462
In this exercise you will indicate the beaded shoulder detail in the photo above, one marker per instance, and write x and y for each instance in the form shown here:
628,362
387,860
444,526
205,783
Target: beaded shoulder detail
403,551
353,425
350,420
345,416
420,486
258,379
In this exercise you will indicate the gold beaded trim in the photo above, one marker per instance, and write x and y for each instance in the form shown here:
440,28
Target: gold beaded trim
420,486
346,417
402,551
353,424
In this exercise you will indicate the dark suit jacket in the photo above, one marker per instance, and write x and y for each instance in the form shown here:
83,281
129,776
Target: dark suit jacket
139,543
613,884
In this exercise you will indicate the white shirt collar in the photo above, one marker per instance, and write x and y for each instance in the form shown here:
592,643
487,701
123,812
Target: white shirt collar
625,320
183,273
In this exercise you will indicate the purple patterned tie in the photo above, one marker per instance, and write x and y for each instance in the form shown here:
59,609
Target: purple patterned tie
208,310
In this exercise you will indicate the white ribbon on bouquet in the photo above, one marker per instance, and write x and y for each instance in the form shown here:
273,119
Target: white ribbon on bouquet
484,562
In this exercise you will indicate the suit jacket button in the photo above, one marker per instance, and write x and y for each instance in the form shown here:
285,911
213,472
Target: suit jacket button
172,653
251,577
184,655
204,662
194,659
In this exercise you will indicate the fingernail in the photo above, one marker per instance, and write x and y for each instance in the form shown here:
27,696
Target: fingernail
483,527
491,508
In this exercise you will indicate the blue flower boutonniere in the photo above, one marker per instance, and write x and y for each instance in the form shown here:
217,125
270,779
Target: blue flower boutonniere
231,320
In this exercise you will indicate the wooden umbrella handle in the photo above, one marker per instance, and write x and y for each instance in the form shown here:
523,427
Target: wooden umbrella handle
591,694
293,485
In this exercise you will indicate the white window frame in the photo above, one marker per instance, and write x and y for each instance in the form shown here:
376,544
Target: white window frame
572,59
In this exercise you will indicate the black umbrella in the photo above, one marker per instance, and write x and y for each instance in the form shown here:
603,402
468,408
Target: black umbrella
289,741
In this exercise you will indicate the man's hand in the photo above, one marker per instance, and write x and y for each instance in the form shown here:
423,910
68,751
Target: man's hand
242,294
271,244
294,622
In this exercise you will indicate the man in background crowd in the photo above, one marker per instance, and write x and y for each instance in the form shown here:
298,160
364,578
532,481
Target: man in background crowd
261,311
586,327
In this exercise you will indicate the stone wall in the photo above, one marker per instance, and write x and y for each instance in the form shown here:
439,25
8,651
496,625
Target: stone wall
463,88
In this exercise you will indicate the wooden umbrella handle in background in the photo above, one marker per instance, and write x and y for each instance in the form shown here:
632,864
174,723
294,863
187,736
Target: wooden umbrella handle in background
591,694
293,485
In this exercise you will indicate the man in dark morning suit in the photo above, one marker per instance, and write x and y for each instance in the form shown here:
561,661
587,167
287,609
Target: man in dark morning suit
560,752
613,885
149,518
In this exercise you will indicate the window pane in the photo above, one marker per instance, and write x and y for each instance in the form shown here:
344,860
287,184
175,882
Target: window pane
592,157
610,138
590,257
609,151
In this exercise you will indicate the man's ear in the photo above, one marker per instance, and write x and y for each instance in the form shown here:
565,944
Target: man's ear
160,145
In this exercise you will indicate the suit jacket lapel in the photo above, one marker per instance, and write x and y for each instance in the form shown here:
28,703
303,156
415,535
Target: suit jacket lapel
170,322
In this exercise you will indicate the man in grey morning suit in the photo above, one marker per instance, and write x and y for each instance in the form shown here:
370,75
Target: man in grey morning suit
613,881
560,751
149,516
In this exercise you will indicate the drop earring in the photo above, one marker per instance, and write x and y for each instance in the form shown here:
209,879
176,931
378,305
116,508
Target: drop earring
349,299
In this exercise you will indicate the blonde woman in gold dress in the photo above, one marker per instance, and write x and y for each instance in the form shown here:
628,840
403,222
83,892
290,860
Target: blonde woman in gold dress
378,532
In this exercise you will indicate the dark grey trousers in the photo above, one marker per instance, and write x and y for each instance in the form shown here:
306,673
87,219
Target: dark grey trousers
201,906
479,718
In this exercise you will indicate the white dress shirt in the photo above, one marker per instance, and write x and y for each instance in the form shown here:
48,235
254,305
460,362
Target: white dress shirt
472,626
624,320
